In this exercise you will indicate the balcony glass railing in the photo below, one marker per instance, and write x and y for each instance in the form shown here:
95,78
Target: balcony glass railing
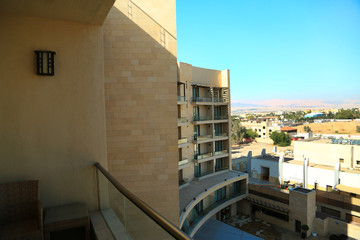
201,99
221,134
183,161
183,181
202,174
182,140
221,152
218,169
182,120
203,137
202,156
203,118
194,218
218,117
181,98
223,100
131,218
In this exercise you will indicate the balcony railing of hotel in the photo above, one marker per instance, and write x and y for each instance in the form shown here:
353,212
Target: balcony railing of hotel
221,100
183,161
134,216
221,134
201,99
182,120
203,137
181,98
183,181
202,174
204,155
182,140
194,218
218,169
221,152
217,117
202,118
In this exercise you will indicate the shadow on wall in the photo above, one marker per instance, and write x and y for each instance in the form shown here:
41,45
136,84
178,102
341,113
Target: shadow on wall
140,100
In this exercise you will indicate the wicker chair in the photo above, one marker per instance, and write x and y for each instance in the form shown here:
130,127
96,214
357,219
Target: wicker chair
21,213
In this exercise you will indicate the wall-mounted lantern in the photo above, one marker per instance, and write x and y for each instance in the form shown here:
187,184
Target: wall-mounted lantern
45,63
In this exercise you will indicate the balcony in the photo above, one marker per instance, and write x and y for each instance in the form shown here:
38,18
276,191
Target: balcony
124,212
182,121
221,101
183,163
203,138
203,119
206,100
221,117
221,135
181,100
202,189
183,181
183,142
203,174
204,157
222,152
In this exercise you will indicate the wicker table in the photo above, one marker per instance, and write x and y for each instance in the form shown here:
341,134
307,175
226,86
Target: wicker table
66,217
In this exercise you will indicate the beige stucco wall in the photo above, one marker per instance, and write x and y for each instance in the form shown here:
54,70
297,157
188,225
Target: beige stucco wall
327,154
52,128
141,114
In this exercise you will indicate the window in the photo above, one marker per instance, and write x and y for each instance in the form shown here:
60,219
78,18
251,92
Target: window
220,194
259,130
199,207
341,160
264,134
263,127
269,130
218,146
259,136
358,162
218,129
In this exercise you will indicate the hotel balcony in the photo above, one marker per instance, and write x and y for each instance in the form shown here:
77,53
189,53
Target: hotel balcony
202,193
184,163
220,101
182,121
183,181
221,118
181,100
203,157
203,119
221,136
183,142
202,101
222,153
203,138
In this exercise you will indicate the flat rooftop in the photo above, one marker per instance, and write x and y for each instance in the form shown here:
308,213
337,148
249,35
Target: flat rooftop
271,157
196,187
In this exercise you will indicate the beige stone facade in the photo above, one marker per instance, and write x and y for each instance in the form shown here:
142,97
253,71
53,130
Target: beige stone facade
325,153
140,95
203,122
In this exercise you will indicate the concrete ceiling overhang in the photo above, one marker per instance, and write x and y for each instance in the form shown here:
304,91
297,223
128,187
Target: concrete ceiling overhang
82,11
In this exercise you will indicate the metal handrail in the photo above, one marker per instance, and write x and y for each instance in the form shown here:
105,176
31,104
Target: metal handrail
145,208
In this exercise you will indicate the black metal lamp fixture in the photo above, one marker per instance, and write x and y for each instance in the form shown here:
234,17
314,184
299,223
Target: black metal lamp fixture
45,62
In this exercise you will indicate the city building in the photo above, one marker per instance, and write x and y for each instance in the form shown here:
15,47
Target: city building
263,128
330,152
332,206
208,188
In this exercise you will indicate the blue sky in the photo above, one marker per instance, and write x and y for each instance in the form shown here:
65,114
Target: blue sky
275,49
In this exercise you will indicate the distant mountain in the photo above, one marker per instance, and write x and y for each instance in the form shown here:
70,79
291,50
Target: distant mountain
286,104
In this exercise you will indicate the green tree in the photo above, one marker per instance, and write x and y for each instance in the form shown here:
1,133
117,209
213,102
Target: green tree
250,134
307,129
237,132
281,139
